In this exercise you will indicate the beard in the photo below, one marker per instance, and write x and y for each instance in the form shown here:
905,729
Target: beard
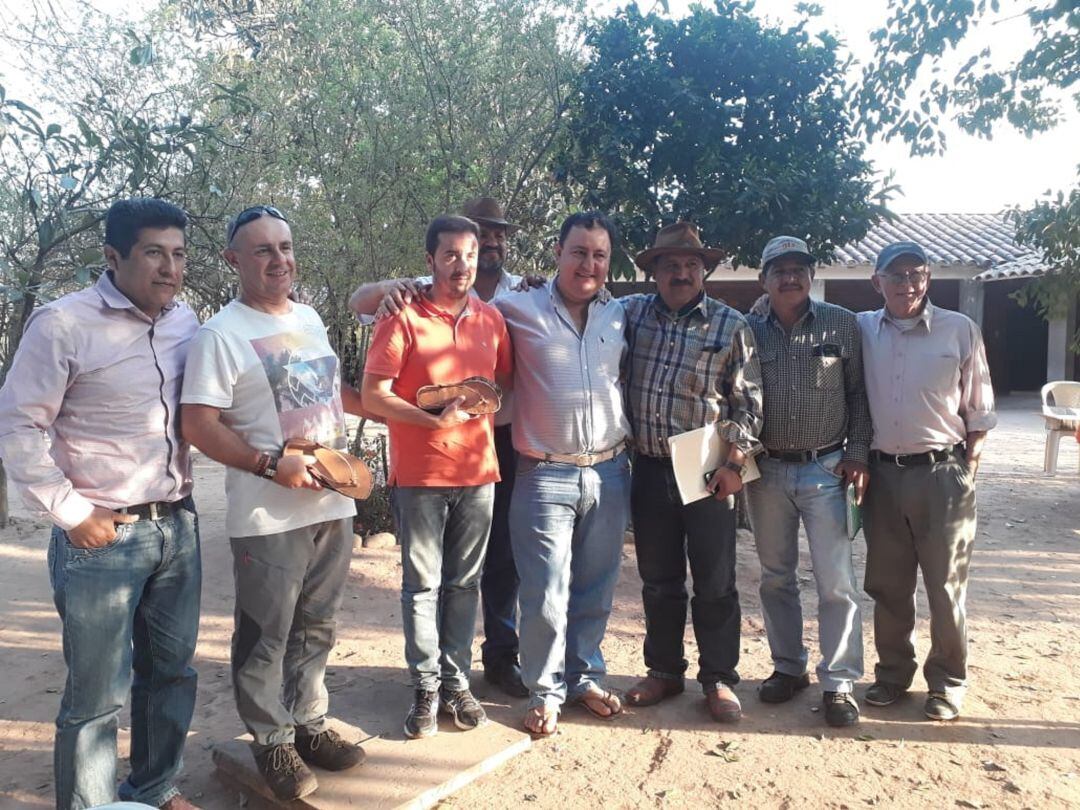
489,264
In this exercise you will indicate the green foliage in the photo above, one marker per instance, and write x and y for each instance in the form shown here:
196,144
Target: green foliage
1052,228
721,119
904,94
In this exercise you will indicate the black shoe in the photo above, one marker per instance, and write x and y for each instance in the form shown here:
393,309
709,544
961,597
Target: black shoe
464,708
840,709
780,687
328,751
507,676
421,720
882,693
939,707
285,773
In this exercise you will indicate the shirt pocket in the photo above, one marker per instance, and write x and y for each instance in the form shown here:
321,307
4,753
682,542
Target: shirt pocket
770,369
942,373
609,349
827,373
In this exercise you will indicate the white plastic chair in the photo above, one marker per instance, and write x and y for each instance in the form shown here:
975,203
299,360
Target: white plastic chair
1061,409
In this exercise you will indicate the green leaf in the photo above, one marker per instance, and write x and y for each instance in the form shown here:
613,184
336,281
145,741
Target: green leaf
68,183
52,129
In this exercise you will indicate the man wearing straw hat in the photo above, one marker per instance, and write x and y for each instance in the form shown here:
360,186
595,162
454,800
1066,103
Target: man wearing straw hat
692,362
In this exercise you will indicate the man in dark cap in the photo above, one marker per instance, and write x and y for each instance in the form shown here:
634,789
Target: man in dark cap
931,402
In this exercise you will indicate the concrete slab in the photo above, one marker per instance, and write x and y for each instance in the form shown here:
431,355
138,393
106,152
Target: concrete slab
397,773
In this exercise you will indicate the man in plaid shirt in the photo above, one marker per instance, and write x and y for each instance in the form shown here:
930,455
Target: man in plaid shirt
691,363
817,440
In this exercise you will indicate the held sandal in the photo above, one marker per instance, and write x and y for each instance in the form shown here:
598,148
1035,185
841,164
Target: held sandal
333,469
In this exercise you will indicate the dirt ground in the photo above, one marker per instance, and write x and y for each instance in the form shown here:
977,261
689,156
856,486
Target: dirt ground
1017,744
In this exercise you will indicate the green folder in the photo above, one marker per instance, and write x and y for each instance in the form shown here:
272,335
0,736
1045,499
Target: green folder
854,513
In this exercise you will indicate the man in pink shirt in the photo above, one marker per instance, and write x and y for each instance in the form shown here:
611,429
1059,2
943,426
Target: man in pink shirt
88,434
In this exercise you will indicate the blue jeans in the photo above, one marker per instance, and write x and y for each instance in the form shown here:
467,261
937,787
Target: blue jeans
499,582
129,607
443,533
811,491
566,527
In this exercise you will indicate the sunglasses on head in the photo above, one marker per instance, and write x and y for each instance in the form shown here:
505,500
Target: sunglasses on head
250,215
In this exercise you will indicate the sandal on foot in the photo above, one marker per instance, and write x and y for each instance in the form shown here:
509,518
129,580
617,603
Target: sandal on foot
609,700
544,719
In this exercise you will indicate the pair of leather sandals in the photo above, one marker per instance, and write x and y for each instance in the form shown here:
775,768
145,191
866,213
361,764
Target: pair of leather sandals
334,469
480,396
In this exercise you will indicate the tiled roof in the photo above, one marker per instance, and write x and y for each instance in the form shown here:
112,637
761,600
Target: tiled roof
1027,265
983,240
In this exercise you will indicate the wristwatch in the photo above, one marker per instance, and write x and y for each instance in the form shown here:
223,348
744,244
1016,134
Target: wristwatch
734,467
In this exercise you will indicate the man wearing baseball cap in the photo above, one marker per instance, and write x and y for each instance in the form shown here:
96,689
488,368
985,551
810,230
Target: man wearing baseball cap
692,363
930,397
817,438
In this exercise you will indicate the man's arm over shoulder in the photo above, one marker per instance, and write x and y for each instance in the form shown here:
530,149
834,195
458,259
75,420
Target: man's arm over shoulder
45,365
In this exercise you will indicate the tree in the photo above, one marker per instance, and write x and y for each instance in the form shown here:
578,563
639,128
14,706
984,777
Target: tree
721,119
903,94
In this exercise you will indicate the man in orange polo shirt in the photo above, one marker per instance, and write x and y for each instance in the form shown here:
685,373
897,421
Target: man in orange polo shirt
442,468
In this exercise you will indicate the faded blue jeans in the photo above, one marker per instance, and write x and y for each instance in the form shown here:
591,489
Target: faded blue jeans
810,491
129,607
443,533
566,527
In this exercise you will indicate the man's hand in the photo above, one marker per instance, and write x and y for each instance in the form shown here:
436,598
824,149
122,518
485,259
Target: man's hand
451,415
724,482
857,473
399,294
292,473
99,529
972,462
529,282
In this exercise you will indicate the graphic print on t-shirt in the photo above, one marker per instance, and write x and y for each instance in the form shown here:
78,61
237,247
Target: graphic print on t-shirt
305,386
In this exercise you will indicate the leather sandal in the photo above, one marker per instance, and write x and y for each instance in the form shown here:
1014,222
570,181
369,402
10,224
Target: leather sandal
333,469
481,396
651,690
609,699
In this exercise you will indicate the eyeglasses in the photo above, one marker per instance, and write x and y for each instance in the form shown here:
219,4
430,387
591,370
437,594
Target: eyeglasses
914,277
250,215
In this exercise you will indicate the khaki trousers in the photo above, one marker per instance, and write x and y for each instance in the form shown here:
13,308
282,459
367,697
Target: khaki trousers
920,518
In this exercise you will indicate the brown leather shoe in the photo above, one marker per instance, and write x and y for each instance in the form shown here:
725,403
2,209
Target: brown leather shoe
649,690
724,706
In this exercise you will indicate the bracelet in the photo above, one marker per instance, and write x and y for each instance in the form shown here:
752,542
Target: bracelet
266,466
735,468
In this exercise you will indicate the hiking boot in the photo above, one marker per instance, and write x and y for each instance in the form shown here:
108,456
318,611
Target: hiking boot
285,773
939,707
421,720
328,751
840,709
882,693
781,687
464,708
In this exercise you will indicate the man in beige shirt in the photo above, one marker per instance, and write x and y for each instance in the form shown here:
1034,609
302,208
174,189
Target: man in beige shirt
931,402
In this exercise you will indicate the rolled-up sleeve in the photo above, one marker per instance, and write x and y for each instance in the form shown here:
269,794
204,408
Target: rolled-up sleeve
742,390
976,392
33,392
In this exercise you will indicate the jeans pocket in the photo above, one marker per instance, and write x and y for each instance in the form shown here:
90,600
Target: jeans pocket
123,531
828,465
527,465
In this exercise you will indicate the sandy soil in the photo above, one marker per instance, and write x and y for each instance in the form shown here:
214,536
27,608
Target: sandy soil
1017,745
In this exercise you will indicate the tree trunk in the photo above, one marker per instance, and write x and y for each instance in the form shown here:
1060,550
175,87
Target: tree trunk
3,497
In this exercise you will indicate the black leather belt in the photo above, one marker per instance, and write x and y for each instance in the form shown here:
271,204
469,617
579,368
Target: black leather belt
919,459
155,510
801,456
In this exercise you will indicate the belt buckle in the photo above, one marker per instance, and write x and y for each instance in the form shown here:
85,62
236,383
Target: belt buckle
585,459
153,510
896,461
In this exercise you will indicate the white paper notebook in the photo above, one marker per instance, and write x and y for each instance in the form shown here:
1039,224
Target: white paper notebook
697,453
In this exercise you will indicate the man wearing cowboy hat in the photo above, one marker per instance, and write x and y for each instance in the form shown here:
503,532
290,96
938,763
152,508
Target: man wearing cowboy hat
692,362
499,582
817,439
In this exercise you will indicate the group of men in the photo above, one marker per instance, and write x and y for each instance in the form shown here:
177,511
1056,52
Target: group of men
97,413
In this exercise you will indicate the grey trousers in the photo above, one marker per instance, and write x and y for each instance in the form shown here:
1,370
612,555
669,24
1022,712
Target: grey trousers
288,588
920,518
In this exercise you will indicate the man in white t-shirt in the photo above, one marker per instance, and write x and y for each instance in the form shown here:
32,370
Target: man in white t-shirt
261,372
